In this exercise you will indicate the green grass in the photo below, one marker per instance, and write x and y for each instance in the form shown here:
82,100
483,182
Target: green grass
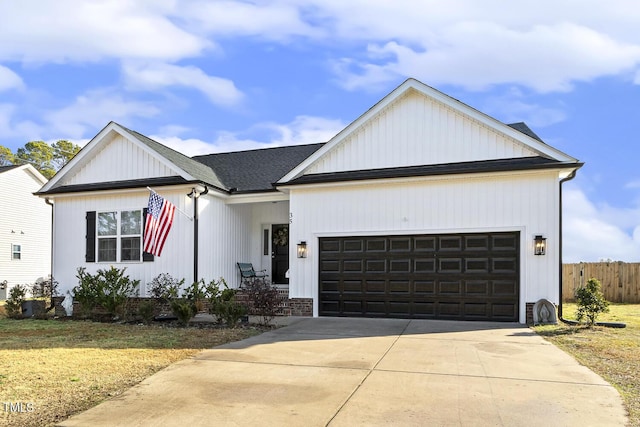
64,367
612,353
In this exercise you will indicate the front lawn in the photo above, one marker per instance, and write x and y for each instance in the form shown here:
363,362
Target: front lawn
52,369
614,354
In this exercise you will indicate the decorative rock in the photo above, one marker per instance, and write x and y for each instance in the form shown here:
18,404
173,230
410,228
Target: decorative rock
544,313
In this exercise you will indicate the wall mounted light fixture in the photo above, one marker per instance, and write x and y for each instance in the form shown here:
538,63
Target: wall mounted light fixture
539,245
302,249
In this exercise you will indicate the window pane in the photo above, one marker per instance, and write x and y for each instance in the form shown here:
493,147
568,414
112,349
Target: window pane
130,249
16,252
107,249
130,222
107,224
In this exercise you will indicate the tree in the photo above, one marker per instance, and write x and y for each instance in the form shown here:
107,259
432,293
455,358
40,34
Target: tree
591,301
63,151
40,155
6,156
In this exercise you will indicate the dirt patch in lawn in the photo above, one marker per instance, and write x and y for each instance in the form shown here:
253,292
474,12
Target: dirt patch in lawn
53,369
612,353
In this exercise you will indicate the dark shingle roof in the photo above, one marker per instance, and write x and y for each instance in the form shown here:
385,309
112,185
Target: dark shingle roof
256,170
523,128
524,163
6,168
192,167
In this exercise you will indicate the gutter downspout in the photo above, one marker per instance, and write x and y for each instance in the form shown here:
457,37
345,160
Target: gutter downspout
47,201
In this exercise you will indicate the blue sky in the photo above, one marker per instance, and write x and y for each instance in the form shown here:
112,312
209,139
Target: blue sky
210,76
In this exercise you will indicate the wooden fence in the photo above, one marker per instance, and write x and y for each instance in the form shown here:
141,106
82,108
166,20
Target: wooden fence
620,280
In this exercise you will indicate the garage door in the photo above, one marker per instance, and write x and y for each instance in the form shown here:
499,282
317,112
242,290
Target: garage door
452,276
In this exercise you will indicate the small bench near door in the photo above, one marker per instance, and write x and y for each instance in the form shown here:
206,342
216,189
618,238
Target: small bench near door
248,272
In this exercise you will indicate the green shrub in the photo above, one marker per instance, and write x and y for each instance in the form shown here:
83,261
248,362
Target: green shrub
116,290
110,289
264,299
13,305
87,292
222,303
196,294
146,310
591,301
164,287
183,309
45,288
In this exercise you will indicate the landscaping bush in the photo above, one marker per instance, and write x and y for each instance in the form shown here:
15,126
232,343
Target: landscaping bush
196,294
264,299
164,287
110,289
13,305
146,310
116,290
45,288
87,292
223,304
183,309
591,301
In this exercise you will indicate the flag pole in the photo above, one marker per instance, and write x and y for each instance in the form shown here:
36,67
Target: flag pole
188,217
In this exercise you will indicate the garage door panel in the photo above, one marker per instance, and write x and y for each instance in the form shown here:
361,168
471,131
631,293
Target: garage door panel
478,288
376,245
400,244
423,265
376,266
424,287
352,266
471,276
476,265
424,244
450,243
450,265
446,288
375,287
400,266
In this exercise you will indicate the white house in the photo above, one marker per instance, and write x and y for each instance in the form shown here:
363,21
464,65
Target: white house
422,207
25,228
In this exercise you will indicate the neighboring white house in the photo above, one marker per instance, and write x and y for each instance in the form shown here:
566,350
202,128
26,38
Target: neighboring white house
423,207
25,228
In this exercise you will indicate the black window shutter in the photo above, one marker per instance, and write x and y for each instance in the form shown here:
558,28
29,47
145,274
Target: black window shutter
90,254
146,257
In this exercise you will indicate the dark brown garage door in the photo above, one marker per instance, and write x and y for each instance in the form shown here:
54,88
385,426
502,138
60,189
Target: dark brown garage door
453,276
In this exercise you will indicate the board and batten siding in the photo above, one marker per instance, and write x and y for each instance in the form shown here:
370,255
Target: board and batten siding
70,230
119,160
418,130
224,238
25,220
526,202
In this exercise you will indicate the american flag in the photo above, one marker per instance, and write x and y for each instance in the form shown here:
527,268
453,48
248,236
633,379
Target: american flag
160,214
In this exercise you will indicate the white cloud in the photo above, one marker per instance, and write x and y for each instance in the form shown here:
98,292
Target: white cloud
38,31
476,56
9,79
591,234
512,107
14,129
302,130
274,20
158,75
94,110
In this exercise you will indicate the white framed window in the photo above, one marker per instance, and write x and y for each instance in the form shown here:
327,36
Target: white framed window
119,235
16,252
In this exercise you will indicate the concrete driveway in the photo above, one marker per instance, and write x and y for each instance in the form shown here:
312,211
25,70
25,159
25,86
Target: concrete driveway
349,372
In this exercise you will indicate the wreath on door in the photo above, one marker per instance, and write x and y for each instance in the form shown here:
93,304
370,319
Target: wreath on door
281,237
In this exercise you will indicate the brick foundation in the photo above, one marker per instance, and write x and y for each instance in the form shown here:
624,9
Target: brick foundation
289,306
529,316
